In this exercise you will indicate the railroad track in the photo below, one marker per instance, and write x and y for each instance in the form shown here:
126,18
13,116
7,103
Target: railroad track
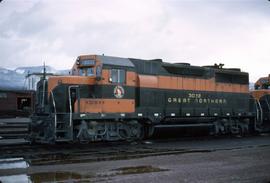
36,155
49,155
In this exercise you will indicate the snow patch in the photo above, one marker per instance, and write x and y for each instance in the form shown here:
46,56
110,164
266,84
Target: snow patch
20,71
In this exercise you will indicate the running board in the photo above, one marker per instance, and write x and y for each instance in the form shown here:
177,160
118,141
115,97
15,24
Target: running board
184,125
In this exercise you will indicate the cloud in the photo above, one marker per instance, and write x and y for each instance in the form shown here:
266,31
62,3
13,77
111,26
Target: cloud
202,33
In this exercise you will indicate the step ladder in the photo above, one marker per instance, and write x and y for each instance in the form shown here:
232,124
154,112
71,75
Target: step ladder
63,124
63,128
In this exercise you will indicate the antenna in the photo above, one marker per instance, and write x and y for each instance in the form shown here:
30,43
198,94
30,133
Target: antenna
44,71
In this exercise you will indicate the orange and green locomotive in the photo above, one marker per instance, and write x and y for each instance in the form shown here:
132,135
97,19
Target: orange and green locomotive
111,98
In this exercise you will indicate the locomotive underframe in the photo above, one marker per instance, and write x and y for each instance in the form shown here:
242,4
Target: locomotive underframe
75,126
82,128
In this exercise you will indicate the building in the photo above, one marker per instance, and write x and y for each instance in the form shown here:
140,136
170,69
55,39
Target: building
15,103
33,78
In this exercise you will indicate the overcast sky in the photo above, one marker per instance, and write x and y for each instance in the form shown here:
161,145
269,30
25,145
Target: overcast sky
236,33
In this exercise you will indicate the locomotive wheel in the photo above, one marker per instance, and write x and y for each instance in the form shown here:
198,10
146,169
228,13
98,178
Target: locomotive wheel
132,131
142,133
123,133
235,130
241,131
138,132
149,131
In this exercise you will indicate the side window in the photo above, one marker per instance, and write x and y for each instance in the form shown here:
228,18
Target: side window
118,76
121,76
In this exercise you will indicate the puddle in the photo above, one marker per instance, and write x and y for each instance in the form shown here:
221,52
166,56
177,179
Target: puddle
13,163
265,135
50,159
14,179
147,142
58,177
138,170
46,177
61,177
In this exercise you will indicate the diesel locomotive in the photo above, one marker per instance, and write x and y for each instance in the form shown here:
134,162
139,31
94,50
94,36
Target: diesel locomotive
111,98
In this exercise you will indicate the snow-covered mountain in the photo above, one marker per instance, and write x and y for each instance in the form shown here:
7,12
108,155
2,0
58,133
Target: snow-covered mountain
16,79
10,79
34,69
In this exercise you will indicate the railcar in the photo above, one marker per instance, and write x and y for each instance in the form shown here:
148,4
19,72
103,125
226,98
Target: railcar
16,103
111,98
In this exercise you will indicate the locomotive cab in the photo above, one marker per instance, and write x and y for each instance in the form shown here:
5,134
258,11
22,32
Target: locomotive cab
87,67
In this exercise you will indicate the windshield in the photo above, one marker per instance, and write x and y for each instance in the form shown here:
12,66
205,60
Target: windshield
86,71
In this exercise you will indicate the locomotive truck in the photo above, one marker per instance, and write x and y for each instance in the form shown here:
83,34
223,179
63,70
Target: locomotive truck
111,98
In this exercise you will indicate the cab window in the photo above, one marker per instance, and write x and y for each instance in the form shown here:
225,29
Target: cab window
86,71
98,71
118,76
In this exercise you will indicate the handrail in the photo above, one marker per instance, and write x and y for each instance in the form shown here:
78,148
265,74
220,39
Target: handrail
261,112
70,106
55,114
267,104
257,110
43,93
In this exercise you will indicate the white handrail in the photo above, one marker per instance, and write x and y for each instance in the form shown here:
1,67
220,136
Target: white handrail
55,115
261,112
70,107
43,94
